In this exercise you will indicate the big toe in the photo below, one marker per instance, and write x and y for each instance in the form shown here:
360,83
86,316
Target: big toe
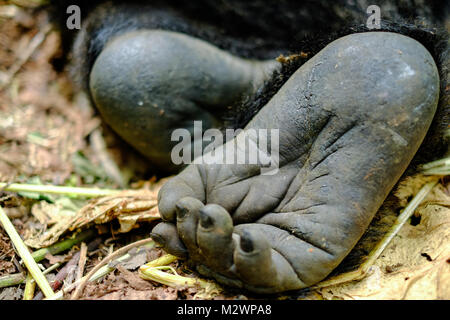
214,237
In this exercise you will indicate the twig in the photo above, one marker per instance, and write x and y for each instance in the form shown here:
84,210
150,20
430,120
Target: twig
58,282
437,163
161,261
171,280
51,268
108,164
63,245
437,168
153,271
109,258
8,11
61,190
30,3
19,278
61,275
11,280
99,274
25,254
23,58
82,261
30,286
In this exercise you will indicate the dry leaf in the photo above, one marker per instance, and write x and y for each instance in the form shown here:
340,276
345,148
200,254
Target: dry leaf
11,293
130,207
416,264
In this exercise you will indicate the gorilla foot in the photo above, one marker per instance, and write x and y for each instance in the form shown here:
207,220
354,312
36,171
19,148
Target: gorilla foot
350,120
147,83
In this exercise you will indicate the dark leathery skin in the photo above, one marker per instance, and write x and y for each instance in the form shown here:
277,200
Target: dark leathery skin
350,121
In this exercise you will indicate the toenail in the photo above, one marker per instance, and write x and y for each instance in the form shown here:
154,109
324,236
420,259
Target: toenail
246,242
181,211
205,220
158,239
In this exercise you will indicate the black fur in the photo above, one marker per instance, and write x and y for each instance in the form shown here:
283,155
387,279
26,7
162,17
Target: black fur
436,40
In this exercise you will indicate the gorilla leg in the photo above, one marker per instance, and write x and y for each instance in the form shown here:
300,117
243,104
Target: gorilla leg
148,83
350,121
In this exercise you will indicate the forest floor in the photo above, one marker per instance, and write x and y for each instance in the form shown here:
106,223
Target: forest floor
49,134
